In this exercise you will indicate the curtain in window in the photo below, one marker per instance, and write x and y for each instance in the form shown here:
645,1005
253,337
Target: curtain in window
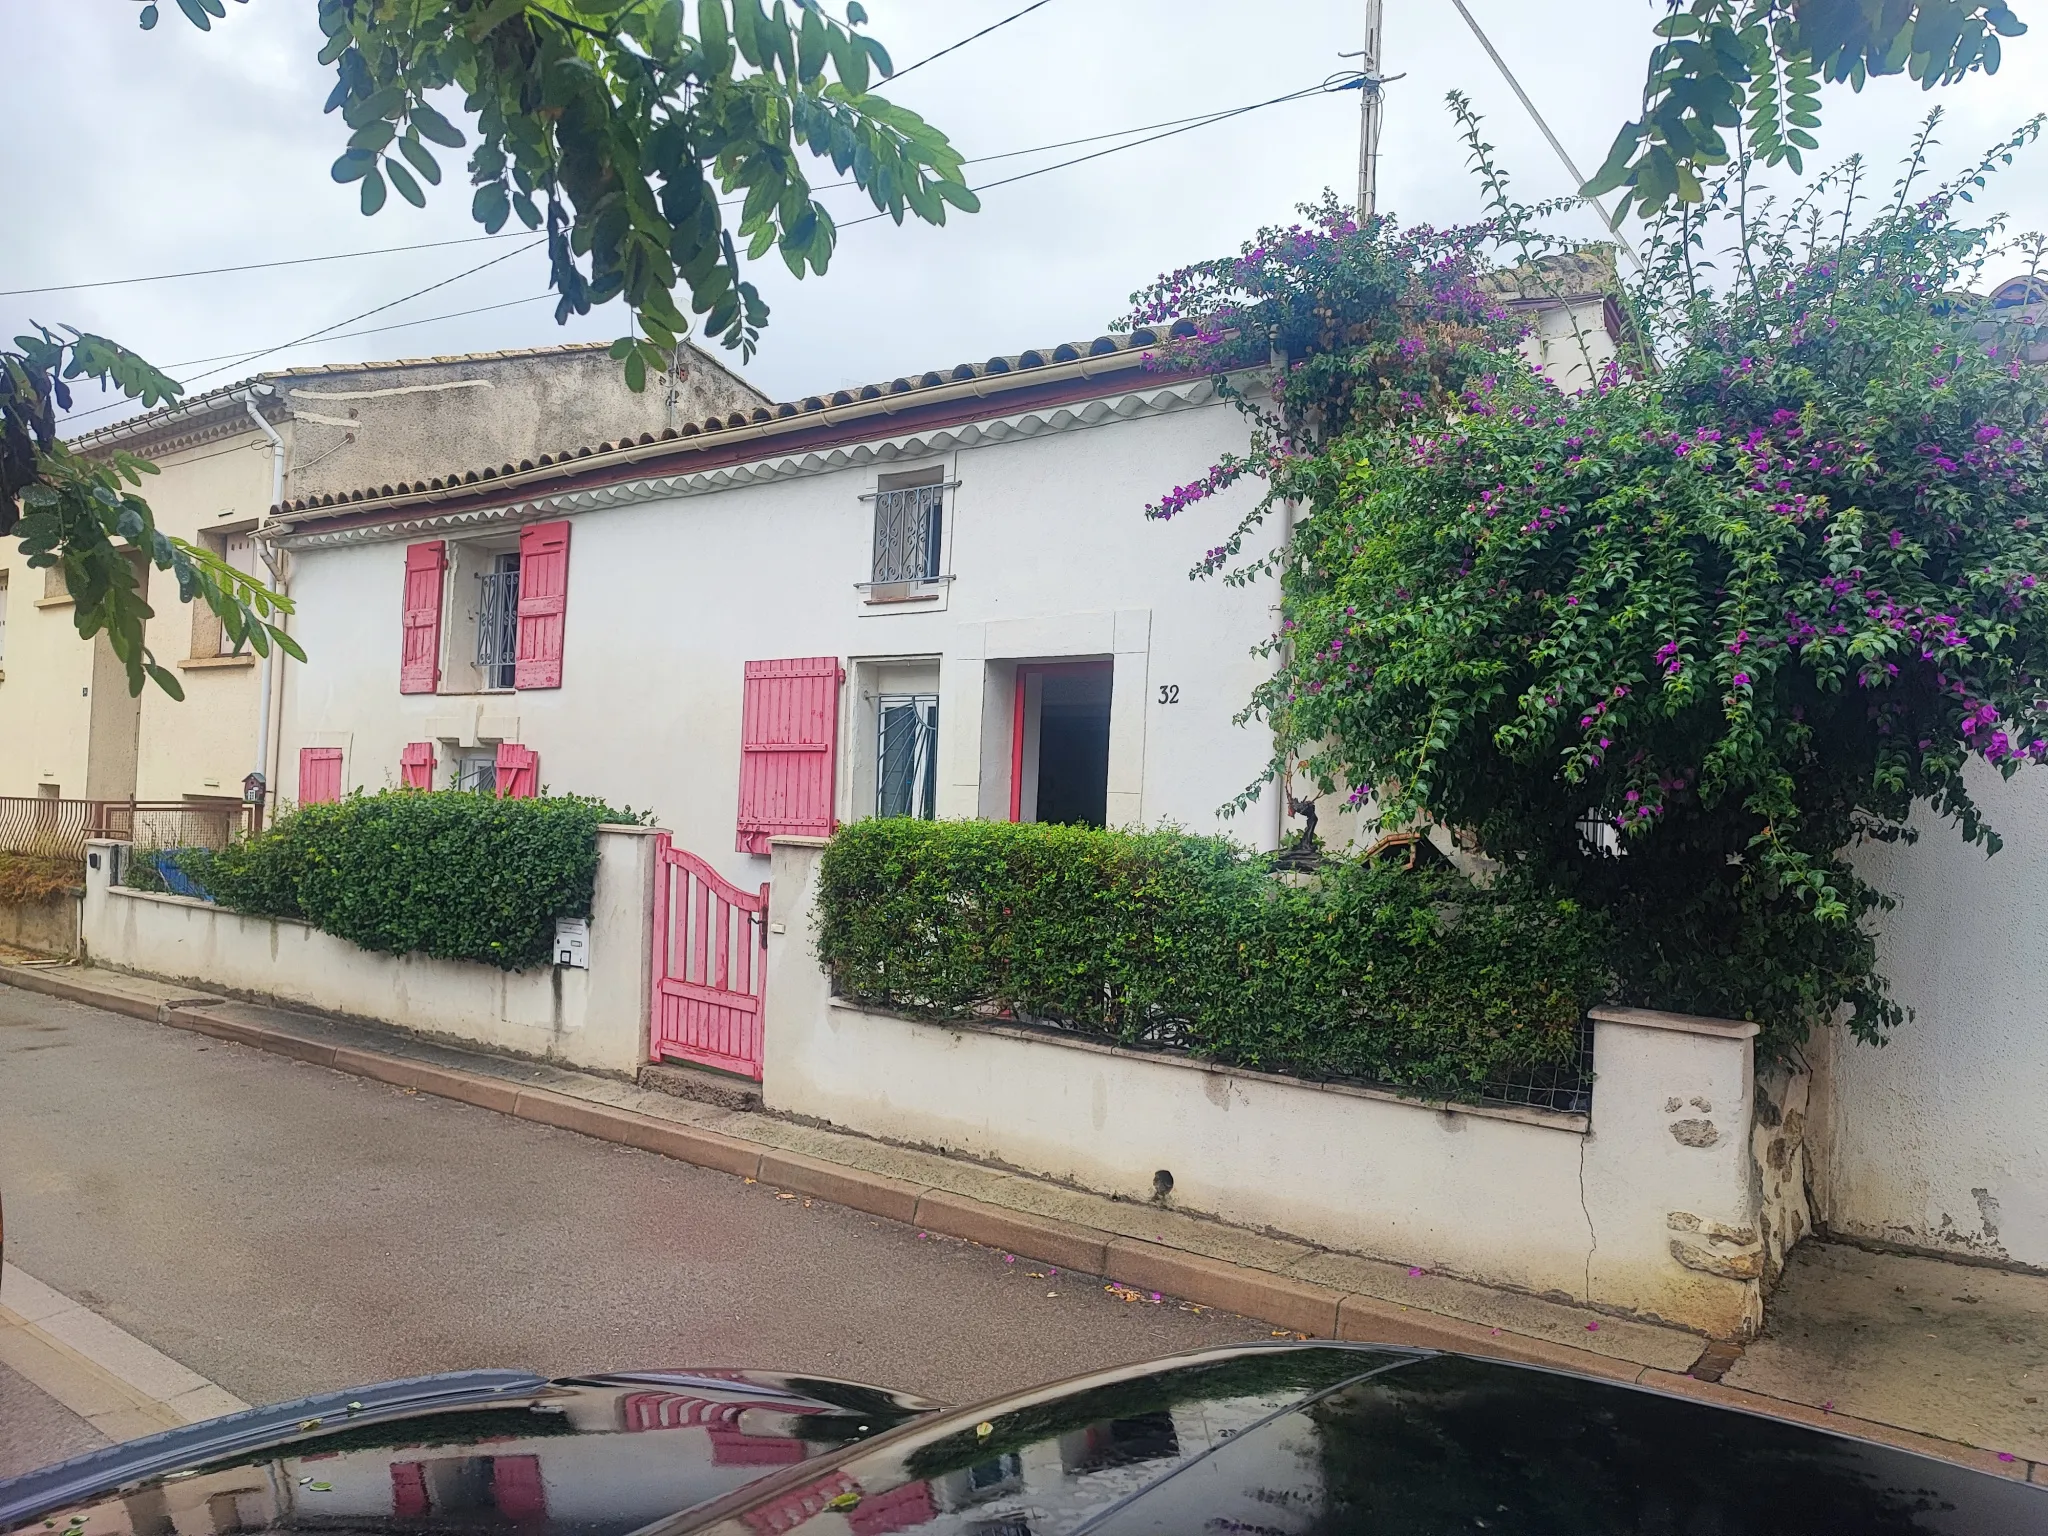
907,777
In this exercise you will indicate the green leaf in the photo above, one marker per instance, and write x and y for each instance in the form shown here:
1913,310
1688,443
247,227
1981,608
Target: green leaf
196,14
353,165
636,372
491,206
373,191
422,161
713,36
432,125
148,17
402,179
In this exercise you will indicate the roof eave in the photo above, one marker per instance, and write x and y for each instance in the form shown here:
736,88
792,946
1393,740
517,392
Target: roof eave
1086,368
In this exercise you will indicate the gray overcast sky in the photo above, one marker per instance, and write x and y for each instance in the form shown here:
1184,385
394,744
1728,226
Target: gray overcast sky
173,149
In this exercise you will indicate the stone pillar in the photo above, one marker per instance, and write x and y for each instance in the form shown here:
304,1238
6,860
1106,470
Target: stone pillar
614,1036
1669,1178
798,995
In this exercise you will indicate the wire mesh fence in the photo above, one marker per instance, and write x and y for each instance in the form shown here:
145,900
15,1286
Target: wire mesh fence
1564,1086
176,823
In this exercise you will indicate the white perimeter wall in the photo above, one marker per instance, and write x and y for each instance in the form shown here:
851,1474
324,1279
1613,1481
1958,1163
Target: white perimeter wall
1648,1207
1939,1139
593,1018
668,600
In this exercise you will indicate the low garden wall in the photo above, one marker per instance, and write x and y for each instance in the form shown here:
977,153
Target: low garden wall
595,1018
1648,1205
39,897
47,924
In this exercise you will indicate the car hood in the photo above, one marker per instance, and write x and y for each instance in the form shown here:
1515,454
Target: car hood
1284,1440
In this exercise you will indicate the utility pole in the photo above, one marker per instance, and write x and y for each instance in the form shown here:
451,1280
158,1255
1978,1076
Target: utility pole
1369,106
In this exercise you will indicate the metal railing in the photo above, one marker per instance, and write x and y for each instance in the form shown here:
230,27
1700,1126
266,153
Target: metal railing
907,533
45,825
497,626
59,828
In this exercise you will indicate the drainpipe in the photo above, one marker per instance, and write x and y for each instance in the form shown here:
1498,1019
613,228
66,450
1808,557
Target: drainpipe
270,564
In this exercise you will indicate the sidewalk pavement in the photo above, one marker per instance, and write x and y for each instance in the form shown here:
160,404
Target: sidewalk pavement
1982,1417
70,1381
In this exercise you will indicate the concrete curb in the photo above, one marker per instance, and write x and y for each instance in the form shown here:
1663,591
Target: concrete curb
1298,1305
119,1385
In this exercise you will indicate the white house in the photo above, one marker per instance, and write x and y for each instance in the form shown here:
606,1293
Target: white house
934,596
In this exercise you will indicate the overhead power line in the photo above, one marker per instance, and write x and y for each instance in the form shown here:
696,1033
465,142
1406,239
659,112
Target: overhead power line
950,47
242,358
1169,129
256,266
1529,106
1188,126
378,330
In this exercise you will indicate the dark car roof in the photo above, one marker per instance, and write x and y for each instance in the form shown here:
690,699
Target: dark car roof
1282,1440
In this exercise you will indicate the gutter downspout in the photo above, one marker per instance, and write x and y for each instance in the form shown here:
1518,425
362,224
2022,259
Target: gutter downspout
270,564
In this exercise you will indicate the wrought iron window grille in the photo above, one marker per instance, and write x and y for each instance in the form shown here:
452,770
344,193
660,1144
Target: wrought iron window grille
909,535
497,623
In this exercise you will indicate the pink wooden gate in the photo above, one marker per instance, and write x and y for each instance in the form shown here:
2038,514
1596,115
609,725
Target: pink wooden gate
710,960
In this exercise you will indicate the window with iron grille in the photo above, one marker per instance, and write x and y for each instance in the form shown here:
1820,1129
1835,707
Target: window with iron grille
474,770
908,523
906,757
497,622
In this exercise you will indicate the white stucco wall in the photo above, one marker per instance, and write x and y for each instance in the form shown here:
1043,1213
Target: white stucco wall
1939,1139
669,598
1648,1208
593,1018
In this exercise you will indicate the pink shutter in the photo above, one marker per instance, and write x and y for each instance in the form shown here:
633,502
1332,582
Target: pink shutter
789,734
416,765
518,771
516,1487
543,604
409,1489
419,664
319,775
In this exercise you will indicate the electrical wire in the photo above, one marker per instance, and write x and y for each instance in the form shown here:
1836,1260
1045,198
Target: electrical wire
242,358
1189,127
378,330
1172,128
984,32
1578,179
429,245
255,266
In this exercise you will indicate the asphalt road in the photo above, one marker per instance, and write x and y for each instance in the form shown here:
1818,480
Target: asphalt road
283,1228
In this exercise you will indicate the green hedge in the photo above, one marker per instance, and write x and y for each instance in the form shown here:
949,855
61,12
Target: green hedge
1365,972
452,873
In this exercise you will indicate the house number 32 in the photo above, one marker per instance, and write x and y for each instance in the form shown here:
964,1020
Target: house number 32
1169,693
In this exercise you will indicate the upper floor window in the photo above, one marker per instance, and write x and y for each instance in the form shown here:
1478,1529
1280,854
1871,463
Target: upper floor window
910,542
238,548
497,621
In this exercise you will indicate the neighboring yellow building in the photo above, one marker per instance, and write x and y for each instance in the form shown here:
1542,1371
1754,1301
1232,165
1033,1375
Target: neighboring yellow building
68,725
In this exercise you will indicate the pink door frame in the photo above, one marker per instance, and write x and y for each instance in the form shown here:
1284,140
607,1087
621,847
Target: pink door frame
706,998
1027,670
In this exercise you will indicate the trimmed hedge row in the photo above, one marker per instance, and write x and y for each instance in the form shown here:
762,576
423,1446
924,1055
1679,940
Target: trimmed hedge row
458,874
1367,972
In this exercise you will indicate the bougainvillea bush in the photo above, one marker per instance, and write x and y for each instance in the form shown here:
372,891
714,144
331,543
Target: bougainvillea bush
1673,645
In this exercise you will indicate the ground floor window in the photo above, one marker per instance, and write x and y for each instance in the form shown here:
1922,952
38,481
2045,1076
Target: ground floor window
475,770
906,754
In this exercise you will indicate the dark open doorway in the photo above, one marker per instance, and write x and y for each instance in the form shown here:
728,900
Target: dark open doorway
1061,754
